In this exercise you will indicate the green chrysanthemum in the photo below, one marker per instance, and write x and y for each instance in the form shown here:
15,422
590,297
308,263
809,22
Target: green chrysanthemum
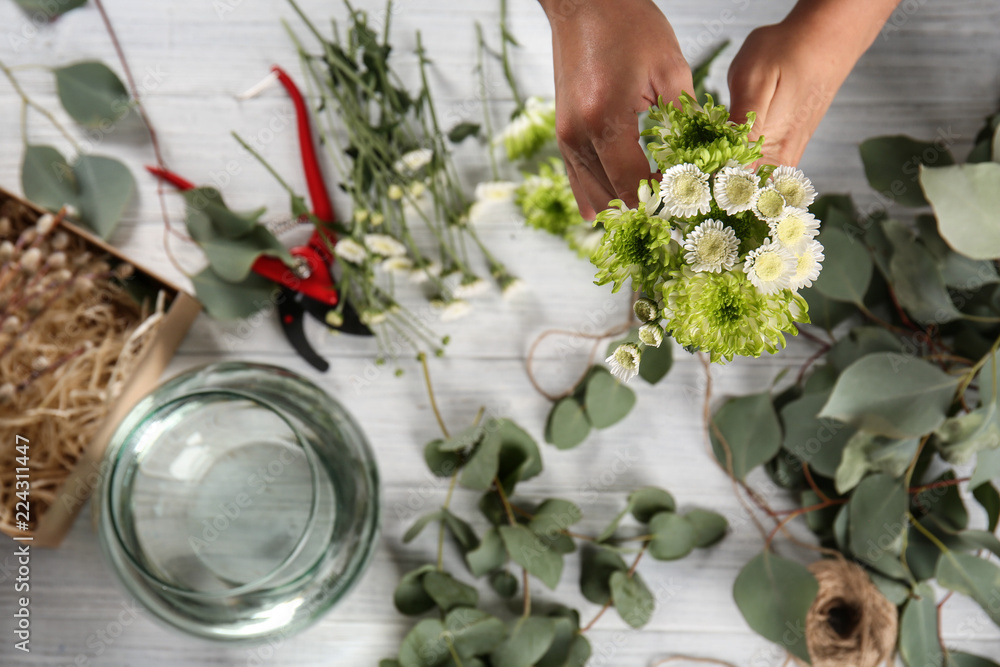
724,315
531,127
702,136
547,201
635,245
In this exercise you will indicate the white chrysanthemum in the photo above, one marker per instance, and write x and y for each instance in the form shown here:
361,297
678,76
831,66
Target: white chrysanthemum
649,195
384,245
684,191
454,309
770,267
529,129
793,185
808,265
651,334
734,189
350,250
496,191
470,286
423,274
769,205
398,265
795,229
414,160
711,246
624,361
646,310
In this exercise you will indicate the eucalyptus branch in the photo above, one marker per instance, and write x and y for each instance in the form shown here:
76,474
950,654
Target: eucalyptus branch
27,101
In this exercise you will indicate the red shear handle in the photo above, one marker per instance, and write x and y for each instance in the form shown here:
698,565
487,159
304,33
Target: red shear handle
322,207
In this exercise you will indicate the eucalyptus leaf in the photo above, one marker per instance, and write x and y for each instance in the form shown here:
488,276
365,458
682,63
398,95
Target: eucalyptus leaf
568,424
474,632
750,428
224,300
916,279
465,441
959,659
861,341
410,597
892,164
892,395
488,556
825,312
529,639
504,583
649,501
674,536
607,400
419,525
987,496
609,531
918,630
960,438
965,200
49,9
596,567
463,131
817,441
987,467
893,591
709,527
866,452
562,644
483,465
91,93
877,519
554,516
532,554
519,458
225,222
775,594
442,463
973,577
425,645
632,598
47,179
460,530
448,592
232,259
656,362
847,269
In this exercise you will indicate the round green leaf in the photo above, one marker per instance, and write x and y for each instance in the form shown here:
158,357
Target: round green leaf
673,536
91,93
49,9
519,458
959,659
656,362
987,467
488,556
916,278
425,645
448,592
419,525
891,165
568,424
463,533
973,577
442,463
877,518
474,632
482,466
775,594
817,441
918,630
866,452
528,551
504,583
709,527
847,269
750,428
553,516
410,597
892,395
105,186
965,200
632,598
606,399
229,301
47,179
529,639
596,567
647,502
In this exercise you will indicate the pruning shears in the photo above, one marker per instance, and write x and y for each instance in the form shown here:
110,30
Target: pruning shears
308,288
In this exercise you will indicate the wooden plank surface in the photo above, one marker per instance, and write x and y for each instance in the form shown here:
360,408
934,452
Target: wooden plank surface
938,73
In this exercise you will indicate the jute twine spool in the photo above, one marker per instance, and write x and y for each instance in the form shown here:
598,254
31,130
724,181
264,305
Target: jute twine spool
850,624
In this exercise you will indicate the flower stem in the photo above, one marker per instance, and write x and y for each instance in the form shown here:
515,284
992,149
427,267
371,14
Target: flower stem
507,70
430,393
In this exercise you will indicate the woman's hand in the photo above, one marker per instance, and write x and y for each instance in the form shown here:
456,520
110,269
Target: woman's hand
789,72
612,59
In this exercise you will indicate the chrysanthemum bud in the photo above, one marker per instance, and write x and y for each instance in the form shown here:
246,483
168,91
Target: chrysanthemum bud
624,361
45,224
651,334
646,310
417,189
395,192
377,219
360,215
31,260
334,319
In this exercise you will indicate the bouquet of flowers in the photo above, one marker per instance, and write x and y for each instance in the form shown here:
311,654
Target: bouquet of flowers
718,248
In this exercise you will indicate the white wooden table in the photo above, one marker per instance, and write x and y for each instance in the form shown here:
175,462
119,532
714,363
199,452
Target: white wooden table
939,72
